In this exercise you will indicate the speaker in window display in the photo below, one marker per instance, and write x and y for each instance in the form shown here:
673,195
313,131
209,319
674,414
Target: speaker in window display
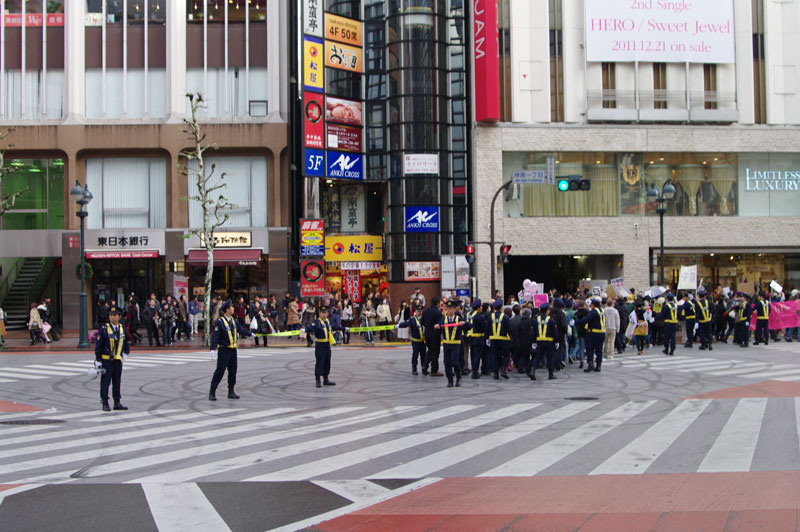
723,179
690,176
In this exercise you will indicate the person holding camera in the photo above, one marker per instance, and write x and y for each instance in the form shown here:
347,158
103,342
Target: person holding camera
111,349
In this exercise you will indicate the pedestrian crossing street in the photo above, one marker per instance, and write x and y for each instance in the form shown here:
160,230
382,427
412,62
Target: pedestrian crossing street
134,362
352,442
714,367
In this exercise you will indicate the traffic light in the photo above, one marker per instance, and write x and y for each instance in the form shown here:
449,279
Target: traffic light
470,253
573,182
504,251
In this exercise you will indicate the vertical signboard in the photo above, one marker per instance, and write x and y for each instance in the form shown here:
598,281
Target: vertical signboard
312,278
312,17
312,238
352,285
313,71
313,113
485,51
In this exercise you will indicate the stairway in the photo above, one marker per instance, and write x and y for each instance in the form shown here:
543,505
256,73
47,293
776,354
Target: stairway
17,301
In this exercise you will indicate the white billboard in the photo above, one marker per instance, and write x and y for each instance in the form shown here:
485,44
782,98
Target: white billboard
660,31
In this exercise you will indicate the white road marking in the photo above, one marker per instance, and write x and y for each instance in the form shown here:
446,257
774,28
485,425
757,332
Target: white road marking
736,444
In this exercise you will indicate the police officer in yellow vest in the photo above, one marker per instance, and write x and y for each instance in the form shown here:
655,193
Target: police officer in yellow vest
323,337
111,349
451,327
762,319
689,314
704,320
498,332
476,329
595,324
741,332
225,336
669,313
545,334
417,335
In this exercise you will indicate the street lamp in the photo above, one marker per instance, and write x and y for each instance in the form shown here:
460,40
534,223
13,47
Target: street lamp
661,196
82,197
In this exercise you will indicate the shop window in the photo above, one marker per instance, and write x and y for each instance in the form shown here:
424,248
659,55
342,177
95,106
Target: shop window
41,206
38,96
246,188
124,93
128,192
197,10
769,184
216,85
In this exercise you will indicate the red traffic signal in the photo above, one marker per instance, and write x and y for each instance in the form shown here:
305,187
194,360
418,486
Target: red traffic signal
504,251
470,253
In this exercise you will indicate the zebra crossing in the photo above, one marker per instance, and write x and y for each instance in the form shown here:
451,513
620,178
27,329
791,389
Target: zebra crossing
364,442
136,361
716,367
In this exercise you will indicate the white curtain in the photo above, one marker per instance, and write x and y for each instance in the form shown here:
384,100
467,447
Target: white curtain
214,92
14,94
245,186
134,95
128,192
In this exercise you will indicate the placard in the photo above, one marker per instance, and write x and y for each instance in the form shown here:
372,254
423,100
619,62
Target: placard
688,278
312,278
344,30
342,56
421,163
229,239
352,285
422,271
659,31
343,137
313,114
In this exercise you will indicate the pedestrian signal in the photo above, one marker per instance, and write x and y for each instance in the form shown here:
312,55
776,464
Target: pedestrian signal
470,254
504,251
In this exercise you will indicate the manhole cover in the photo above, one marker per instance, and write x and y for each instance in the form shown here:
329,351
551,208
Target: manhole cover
582,398
42,421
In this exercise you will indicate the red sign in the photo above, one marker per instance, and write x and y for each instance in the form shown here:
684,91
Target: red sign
312,278
314,111
122,254
34,19
352,285
487,64
343,138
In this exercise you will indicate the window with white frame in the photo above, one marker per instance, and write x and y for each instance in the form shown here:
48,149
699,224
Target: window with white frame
128,192
245,186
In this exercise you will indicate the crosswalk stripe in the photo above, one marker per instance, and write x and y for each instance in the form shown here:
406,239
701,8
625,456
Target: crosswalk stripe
708,365
175,359
672,362
643,361
451,456
8,380
353,490
83,365
182,507
270,455
736,444
108,424
545,455
92,454
226,433
639,454
158,362
340,461
743,369
132,364
41,369
21,375
780,373
67,371
50,413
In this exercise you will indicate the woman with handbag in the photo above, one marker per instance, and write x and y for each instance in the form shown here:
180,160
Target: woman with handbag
36,326
640,330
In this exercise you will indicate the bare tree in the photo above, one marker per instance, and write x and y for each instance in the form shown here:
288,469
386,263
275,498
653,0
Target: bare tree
7,202
206,184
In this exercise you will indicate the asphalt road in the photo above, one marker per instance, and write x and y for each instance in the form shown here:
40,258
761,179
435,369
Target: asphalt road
288,455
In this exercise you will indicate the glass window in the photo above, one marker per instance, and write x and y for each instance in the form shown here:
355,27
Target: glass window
41,206
128,192
768,184
246,188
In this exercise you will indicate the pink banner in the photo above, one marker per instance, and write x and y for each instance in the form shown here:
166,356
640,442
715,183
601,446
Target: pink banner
487,64
781,315
539,299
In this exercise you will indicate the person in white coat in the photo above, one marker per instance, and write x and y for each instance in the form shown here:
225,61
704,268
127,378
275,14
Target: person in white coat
612,328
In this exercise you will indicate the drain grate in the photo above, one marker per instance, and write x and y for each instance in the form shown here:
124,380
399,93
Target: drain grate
42,421
581,398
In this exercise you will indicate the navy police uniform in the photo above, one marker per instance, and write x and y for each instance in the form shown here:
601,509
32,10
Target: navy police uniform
111,349
669,313
323,340
225,340
417,334
475,331
498,331
741,333
595,324
704,321
762,319
451,328
689,314
546,336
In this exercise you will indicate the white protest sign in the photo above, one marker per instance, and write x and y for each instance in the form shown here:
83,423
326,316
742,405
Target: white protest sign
775,286
688,278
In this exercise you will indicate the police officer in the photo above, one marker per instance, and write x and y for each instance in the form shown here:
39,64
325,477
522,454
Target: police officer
323,336
545,334
704,320
498,332
669,313
111,349
741,333
476,328
225,336
595,324
689,314
451,328
762,319
417,338
430,317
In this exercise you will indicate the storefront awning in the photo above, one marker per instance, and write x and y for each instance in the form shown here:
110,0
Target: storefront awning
225,257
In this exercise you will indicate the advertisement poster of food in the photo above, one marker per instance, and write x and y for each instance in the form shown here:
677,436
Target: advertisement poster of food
422,271
343,111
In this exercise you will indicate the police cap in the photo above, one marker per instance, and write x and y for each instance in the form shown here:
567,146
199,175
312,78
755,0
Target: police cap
476,303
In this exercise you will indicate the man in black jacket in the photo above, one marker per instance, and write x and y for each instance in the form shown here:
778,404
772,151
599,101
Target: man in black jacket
521,334
149,319
558,315
430,318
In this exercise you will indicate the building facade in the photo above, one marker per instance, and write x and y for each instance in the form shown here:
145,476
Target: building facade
96,93
588,94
